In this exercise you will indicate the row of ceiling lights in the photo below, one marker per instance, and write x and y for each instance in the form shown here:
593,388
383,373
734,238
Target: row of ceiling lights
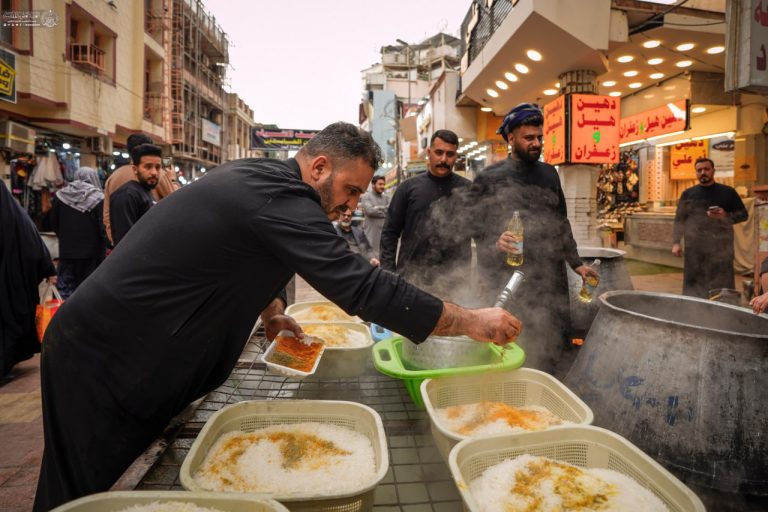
650,44
521,68
473,150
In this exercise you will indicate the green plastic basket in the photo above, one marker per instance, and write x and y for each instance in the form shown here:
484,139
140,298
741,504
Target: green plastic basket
388,359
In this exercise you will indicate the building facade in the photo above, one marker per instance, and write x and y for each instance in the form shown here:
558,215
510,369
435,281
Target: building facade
238,124
70,73
396,88
199,53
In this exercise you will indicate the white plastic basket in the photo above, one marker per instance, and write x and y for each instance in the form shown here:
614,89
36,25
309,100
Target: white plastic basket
344,362
583,446
300,312
253,415
518,388
285,370
119,500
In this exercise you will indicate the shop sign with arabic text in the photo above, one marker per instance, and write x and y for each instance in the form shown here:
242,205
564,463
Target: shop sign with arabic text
594,129
7,76
280,138
683,156
554,132
670,118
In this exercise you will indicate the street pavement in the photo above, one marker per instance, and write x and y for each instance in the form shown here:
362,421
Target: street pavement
21,428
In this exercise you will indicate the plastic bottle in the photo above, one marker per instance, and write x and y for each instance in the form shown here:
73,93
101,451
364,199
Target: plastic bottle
515,259
590,283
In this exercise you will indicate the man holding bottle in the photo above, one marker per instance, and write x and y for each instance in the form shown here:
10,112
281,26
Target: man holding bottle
522,184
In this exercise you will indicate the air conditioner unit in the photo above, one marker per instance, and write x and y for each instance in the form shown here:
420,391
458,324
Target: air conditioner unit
100,145
17,137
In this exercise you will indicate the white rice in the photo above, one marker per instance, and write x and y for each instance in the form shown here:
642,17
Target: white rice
169,506
487,418
561,486
322,313
322,459
337,336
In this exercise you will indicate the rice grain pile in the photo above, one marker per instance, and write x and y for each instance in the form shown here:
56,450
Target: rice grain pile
539,484
169,506
322,313
337,336
485,418
283,459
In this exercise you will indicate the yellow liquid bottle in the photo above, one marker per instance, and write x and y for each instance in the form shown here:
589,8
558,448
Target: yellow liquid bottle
515,258
590,283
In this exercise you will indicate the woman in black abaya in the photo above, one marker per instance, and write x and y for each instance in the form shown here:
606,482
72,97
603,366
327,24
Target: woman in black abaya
24,262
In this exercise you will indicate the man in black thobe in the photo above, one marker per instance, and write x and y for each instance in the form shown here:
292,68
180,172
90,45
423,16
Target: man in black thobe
522,183
134,198
423,217
163,320
705,217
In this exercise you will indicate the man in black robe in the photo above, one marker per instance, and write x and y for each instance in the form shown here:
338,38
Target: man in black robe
163,320
705,217
432,253
522,183
24,262
133,199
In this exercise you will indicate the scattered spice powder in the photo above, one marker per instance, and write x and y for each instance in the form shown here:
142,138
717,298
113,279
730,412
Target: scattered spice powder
294,353
489,412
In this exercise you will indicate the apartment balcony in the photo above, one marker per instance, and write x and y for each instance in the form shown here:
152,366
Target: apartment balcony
87,55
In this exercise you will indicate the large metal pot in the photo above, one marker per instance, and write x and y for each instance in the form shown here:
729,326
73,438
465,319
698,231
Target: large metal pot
446,352
684,379
613,276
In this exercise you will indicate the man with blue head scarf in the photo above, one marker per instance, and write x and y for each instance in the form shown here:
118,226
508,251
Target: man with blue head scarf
522,183
76,218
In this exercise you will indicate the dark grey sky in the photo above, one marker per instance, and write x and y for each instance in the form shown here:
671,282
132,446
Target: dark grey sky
297,63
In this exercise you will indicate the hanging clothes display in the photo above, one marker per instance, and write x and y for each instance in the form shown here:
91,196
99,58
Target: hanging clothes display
47,173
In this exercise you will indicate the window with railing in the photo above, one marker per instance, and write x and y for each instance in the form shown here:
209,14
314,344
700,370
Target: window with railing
91,45
12,34
87,55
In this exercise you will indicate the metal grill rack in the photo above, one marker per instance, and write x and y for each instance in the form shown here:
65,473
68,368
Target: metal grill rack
417,481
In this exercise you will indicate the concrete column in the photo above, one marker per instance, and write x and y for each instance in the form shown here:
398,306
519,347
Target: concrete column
579,184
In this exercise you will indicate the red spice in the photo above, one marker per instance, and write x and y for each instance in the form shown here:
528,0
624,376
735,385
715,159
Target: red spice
295,354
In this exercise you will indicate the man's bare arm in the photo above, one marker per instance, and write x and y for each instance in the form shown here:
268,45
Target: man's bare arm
488,324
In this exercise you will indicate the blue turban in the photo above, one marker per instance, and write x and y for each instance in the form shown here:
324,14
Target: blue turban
517,116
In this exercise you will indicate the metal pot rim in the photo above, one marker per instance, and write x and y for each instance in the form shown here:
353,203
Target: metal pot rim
600,252
604,300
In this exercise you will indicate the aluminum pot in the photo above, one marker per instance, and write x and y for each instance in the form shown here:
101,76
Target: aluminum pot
684,379
446,352
613,276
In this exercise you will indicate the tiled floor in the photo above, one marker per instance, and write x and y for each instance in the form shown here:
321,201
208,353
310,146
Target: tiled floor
21,437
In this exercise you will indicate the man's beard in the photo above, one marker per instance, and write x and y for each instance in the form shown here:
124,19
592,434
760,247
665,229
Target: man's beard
326,199
705,180
147,185
524,155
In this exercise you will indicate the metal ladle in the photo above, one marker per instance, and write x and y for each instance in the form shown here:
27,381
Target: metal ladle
509,290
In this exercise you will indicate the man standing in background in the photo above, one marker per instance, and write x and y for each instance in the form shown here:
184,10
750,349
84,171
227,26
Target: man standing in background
374,204
355,237
131,201
166,182
422,216
705,217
